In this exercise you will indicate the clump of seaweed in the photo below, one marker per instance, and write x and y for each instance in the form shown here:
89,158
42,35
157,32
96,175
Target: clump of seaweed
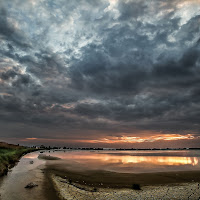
94,190
136,186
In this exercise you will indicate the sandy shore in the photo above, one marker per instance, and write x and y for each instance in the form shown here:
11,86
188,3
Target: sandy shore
102,178
74,181
76,191
12,186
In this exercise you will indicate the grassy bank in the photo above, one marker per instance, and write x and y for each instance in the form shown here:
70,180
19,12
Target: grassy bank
10,154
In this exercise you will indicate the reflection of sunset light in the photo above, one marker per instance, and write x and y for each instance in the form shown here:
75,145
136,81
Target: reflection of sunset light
155,160
31,156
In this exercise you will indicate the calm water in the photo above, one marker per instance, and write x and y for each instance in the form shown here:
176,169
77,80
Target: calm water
12,186
131,161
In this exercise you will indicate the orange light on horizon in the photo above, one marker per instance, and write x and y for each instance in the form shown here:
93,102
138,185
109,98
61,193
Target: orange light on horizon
31,138
123,139
133,139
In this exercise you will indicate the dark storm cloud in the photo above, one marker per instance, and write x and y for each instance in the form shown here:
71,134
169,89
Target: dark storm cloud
9,32
105,66
131,9
8,74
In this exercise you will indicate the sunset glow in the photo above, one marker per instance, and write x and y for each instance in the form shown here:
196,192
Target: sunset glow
31,138
129,139
115,140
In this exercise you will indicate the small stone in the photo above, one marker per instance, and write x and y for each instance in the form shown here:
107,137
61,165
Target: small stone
30,185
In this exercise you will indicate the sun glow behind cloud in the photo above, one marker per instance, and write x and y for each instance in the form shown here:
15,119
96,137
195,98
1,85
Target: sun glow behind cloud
130,139
124,139
31,138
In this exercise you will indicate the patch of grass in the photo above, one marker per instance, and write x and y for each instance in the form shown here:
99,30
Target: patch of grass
136,186
9,155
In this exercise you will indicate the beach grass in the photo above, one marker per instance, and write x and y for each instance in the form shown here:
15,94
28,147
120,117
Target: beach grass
10,154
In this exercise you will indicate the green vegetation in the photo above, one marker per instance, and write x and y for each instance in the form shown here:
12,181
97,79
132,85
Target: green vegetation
9,155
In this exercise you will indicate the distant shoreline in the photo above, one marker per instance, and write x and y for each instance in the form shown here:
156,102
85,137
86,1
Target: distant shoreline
119,149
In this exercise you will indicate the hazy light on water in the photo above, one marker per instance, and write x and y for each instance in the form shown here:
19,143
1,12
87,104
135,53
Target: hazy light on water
127,161
155,160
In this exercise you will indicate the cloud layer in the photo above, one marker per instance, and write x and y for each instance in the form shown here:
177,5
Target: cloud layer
79,70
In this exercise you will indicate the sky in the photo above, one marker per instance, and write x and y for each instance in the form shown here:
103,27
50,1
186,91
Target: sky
100,73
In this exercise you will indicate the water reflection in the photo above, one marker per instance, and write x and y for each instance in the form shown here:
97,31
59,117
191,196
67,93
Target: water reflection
31,155
130,162
153,159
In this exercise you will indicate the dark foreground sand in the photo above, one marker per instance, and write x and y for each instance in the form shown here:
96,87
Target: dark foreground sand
71,181
74,191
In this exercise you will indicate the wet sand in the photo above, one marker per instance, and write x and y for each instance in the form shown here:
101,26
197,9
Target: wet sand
166,192
71,181
45,157
12,185
101,178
